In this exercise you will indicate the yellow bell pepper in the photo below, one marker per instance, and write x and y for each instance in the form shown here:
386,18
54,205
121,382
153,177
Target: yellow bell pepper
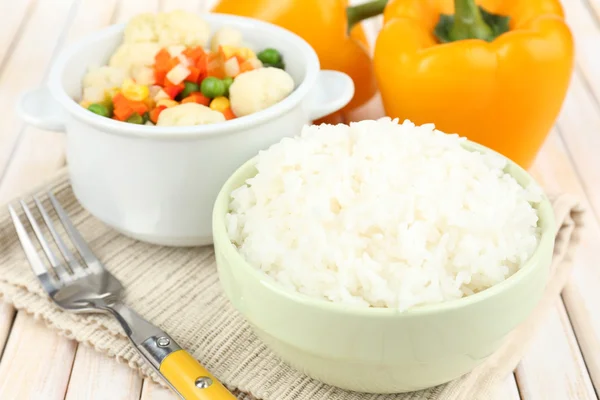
324,25
496,73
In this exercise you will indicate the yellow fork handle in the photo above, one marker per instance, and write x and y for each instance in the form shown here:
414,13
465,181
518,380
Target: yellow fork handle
183,371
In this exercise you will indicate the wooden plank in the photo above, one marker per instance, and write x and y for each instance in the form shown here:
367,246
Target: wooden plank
586,30
7,315
131,8
91,15
25,68
28,64
27,374
581,296
152,391
507,390
97,377
579,125
594,8
39,156
14,15
553,367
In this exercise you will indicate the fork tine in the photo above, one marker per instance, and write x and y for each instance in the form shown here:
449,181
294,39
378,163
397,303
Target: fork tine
54,261
37,265
62,247
79,242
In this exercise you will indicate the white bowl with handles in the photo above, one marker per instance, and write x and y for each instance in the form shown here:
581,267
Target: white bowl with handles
158,184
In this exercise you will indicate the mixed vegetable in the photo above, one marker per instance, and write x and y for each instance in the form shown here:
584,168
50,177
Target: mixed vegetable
163,74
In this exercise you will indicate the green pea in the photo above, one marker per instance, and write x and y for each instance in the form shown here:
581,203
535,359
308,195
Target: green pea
135,118
269,56
212,87
190,87
146,117
227,81
99,109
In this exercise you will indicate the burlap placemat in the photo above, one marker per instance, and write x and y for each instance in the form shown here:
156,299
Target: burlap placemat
178,290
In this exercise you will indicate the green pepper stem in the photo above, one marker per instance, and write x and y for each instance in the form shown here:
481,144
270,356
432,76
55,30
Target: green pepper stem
468,22
363,11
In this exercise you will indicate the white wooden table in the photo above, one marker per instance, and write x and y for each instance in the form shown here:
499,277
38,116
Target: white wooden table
564,361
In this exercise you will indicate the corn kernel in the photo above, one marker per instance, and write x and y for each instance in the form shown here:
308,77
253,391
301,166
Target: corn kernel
133,91
167,103
246,53
220,103
243,52
228,51
85,103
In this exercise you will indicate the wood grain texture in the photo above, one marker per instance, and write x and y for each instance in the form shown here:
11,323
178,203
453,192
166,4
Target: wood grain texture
579,125
152,391
91,15
130,8
7,316
507,390
14,17
585,25
28,64
553,170
553,368
27,374
97,377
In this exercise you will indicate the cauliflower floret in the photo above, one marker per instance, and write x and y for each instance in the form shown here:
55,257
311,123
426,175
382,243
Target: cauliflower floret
189,114
104,77
226,36
173,28
129,56
180,27
258,89
98,80
141,29
143,75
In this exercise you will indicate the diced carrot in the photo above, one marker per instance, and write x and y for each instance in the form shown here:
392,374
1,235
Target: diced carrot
194,74
216,65
122,113
155,113
240,59
246,66
118,99
139,107
228,113
123,108
197,97
159,76
194,53
163,63
162,59
172,89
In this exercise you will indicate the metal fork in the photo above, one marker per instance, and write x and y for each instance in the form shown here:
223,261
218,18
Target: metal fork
84,285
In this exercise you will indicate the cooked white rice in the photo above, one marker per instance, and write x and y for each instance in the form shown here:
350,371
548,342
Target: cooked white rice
383,214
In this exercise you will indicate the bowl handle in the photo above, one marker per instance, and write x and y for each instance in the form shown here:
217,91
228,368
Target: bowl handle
332,91
37,107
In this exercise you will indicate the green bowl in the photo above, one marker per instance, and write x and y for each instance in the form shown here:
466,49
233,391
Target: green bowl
380,350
